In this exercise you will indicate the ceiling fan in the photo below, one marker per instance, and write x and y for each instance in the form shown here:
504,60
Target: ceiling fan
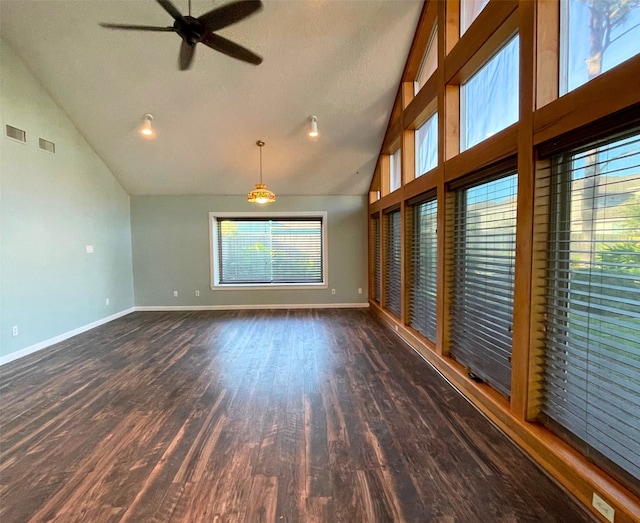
201,30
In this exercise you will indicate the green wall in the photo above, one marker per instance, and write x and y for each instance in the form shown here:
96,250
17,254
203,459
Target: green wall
171,250
51,207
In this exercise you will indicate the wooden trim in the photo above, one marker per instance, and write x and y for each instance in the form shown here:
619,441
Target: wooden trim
547,51
408,159
423,105
451,122
428,17
403,263
605,128
450,34
444,261
391,200
500,146
371,260
427,182
393,137
494,26
524,224
406,90
385,174
611,92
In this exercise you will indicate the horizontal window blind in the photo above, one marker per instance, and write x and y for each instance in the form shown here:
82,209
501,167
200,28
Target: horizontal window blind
392,262
592,346
269,250
422,284
377,262
482,304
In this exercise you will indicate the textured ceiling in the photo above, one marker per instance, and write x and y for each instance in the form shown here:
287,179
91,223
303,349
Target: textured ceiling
340,60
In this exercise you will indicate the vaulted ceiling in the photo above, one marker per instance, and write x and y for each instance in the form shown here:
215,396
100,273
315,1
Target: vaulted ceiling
340,60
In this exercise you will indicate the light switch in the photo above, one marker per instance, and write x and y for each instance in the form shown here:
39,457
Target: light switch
89,249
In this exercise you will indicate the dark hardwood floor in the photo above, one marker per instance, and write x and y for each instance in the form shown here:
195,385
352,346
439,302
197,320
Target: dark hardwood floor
274,416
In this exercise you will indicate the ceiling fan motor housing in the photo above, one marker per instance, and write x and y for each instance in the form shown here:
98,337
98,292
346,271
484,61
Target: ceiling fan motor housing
189,28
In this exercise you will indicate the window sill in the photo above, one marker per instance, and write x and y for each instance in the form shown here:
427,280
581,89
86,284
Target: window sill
268,286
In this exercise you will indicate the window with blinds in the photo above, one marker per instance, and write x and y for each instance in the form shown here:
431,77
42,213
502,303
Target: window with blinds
592,350
422,281
377,262
482,301
268,251
392,262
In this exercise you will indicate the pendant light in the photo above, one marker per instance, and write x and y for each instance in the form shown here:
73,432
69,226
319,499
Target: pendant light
261,194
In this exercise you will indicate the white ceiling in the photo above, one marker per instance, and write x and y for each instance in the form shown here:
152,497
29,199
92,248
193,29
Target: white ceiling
338,59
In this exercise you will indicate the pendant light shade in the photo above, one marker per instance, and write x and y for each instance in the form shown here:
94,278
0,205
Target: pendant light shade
261,194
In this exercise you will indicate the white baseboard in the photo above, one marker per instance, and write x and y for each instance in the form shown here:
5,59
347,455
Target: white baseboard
252,306
66,335
61,337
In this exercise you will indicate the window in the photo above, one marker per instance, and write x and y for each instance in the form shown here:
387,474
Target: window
422,286
427,146
429,61
469,11
489,99
394,171
592,357
484,257
267,250
595,37
392,262
377,268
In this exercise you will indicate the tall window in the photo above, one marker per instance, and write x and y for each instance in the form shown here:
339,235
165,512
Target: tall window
268,250
592,366
595,36
377,262
482,305
392,262
423,279
427,145
429,61
489,99
395,170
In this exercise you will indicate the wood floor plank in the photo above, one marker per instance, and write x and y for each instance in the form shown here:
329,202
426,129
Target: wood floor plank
283,416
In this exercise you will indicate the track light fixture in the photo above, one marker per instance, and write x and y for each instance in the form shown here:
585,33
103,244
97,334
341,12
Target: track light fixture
146,130
313,126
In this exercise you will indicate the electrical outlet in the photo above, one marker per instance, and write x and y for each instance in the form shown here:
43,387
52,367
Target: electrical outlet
175,294
395,327
359,290
603,507
333,291
197,293
88,249
106,302
14,330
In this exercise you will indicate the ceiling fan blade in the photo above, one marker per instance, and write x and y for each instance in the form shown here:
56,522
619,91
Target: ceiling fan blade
138,27
230,48
229,14
186,55
170,8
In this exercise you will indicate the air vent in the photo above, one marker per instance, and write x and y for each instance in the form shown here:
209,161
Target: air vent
16,134
48,146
